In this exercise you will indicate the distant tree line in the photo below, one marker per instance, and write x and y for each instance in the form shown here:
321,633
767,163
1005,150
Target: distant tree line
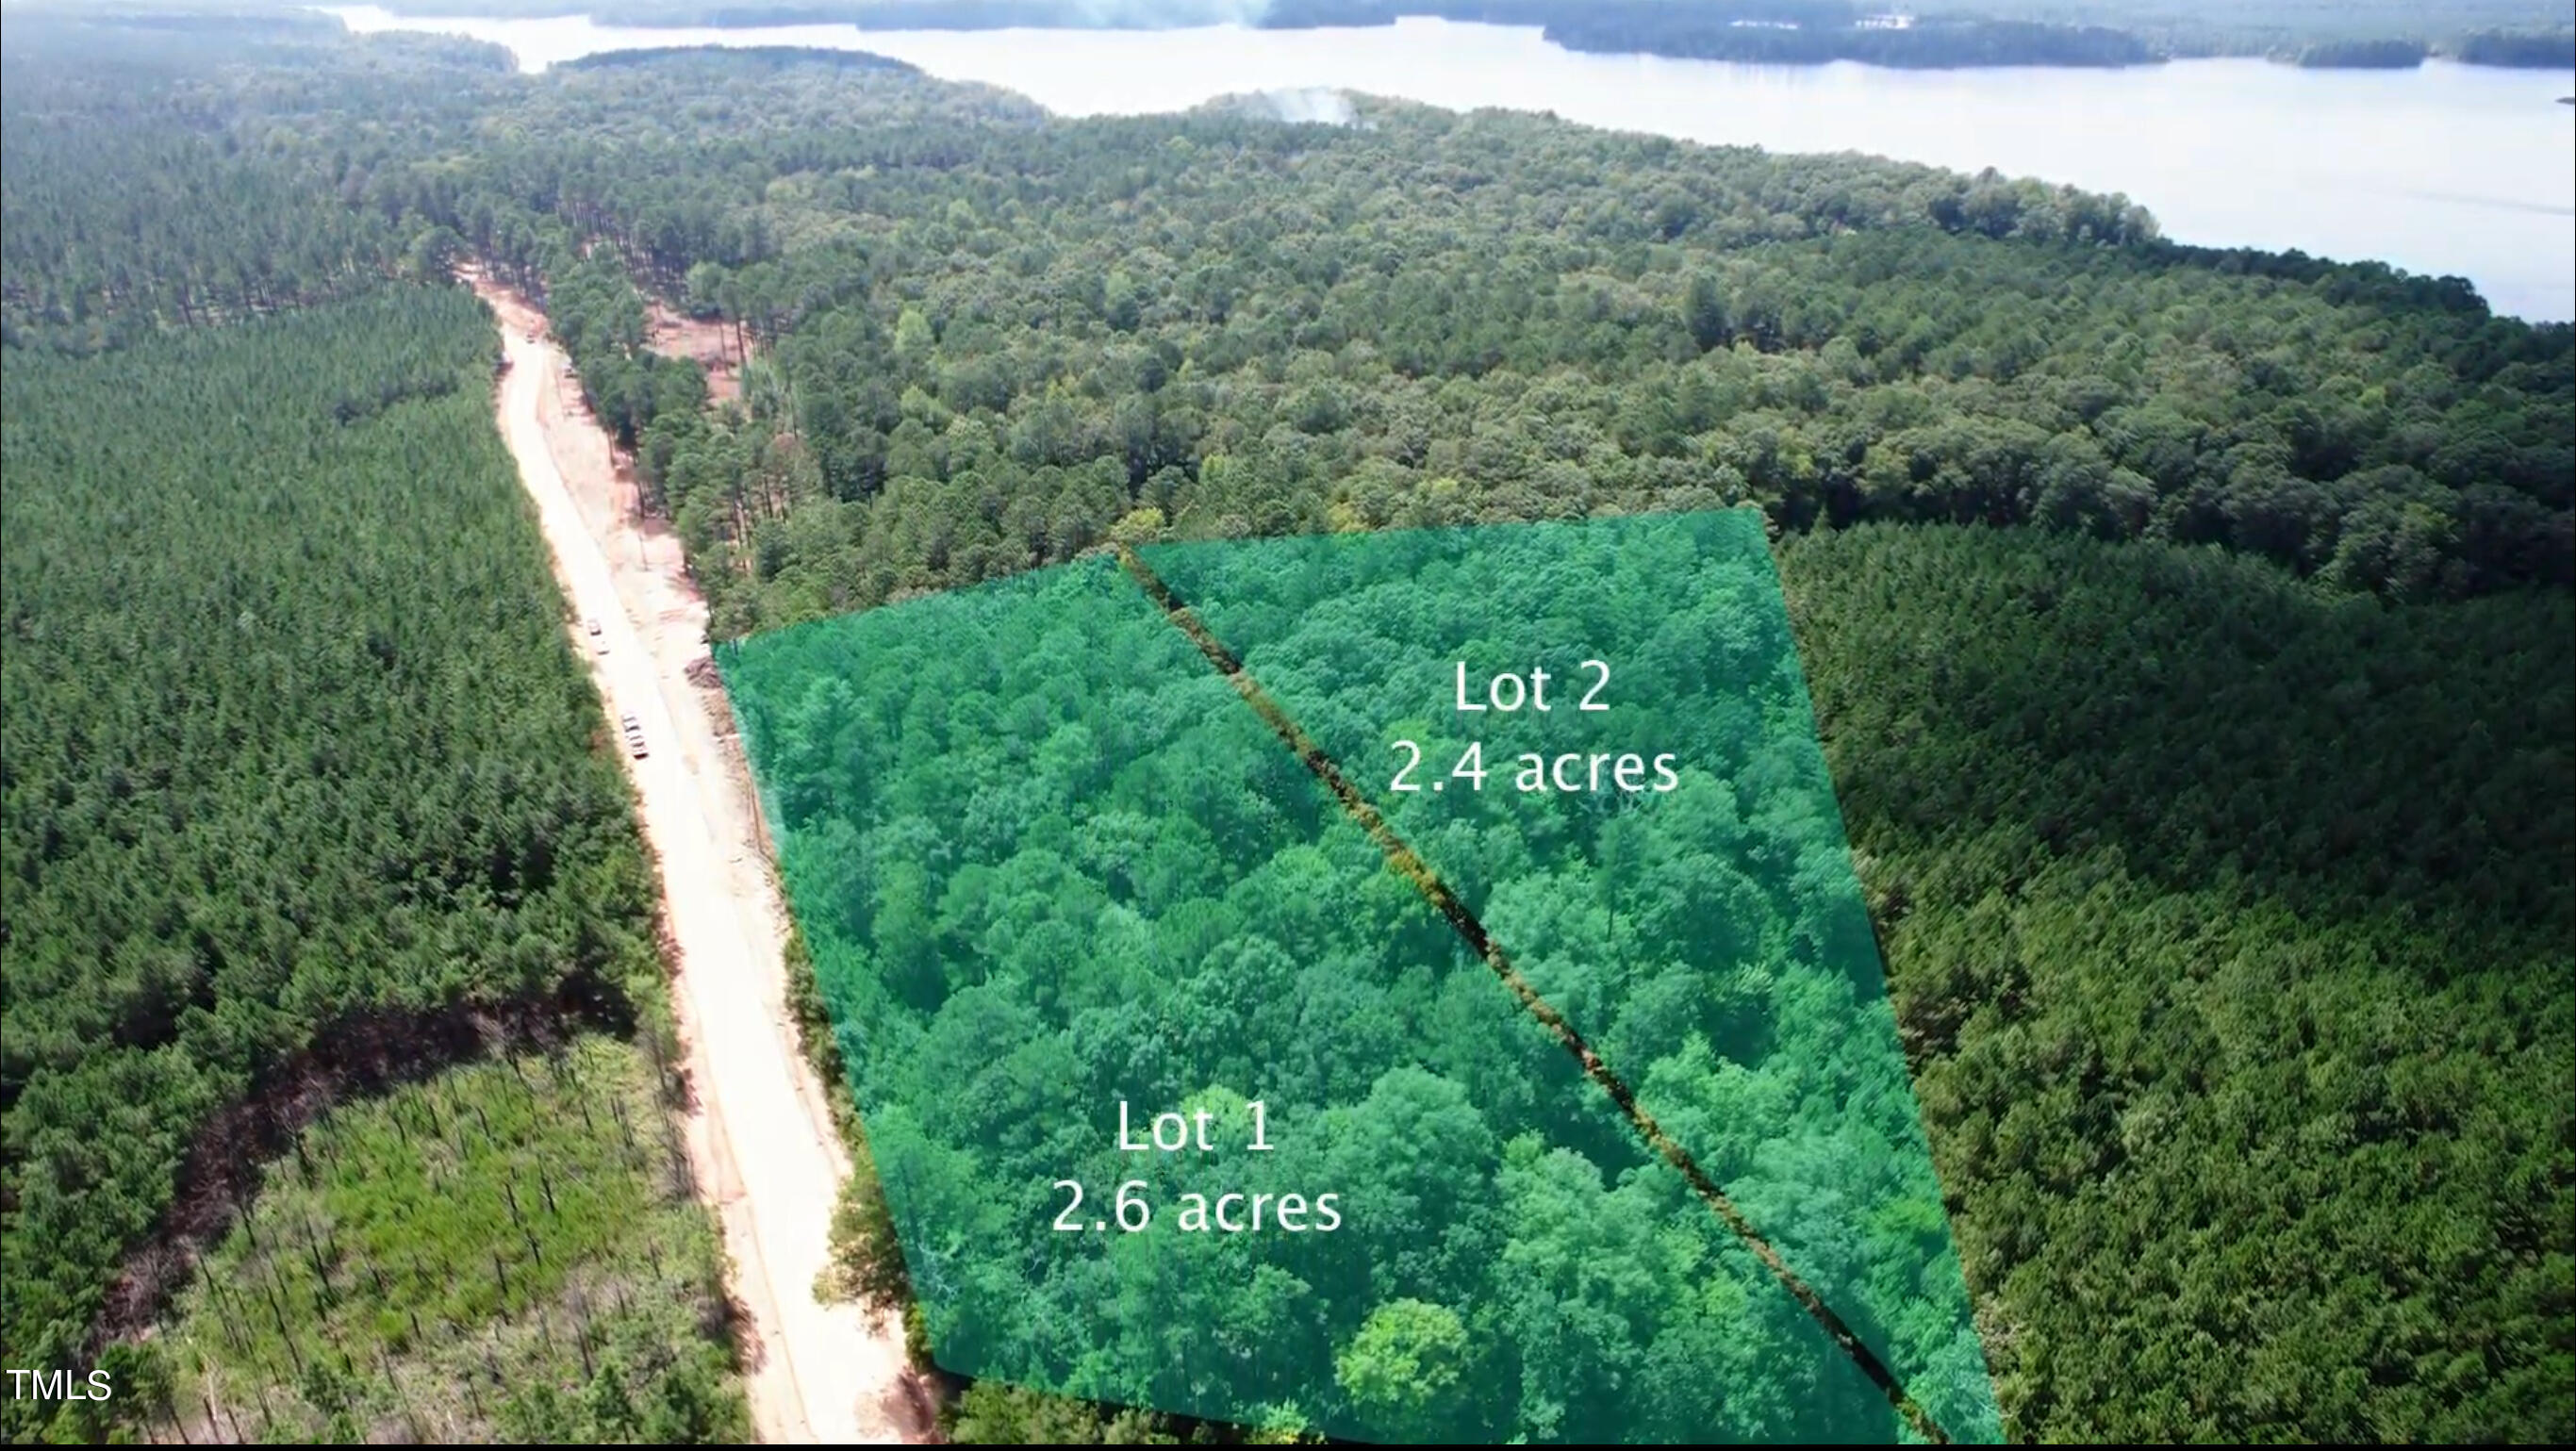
2538,50
1954,33
2374,55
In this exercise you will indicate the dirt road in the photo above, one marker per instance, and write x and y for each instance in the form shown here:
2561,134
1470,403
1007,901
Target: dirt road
760,1128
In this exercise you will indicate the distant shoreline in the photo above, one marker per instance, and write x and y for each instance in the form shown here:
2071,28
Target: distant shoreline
1715,30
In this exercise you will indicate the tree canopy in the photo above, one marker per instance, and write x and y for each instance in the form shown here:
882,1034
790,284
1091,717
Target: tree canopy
295,743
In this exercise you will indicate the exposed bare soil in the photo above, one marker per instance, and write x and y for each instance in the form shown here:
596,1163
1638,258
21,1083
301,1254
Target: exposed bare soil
712,344
760,1131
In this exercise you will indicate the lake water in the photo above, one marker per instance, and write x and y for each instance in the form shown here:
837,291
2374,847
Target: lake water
2446,170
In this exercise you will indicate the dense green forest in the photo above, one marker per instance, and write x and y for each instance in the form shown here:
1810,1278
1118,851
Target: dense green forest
2188,629
2228,921
220,210
1835,338
1311,338
1046,864
1008,343
302,793
306,798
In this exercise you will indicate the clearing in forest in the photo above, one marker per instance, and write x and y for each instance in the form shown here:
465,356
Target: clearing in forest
1587,1120
713,344
510,1251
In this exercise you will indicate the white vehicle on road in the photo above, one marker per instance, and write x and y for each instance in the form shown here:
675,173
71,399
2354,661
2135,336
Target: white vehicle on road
598,641
760,1123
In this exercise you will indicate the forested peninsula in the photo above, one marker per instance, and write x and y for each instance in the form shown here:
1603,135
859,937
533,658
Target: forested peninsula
2190,633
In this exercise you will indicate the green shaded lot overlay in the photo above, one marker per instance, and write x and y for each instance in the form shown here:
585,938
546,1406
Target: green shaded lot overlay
1183,1098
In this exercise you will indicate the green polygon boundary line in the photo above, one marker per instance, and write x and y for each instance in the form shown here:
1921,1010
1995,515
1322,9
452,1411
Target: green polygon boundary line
1710,940
1046,860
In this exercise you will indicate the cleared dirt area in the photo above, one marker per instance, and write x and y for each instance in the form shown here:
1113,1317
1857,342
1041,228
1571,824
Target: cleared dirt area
760,1129
712,344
